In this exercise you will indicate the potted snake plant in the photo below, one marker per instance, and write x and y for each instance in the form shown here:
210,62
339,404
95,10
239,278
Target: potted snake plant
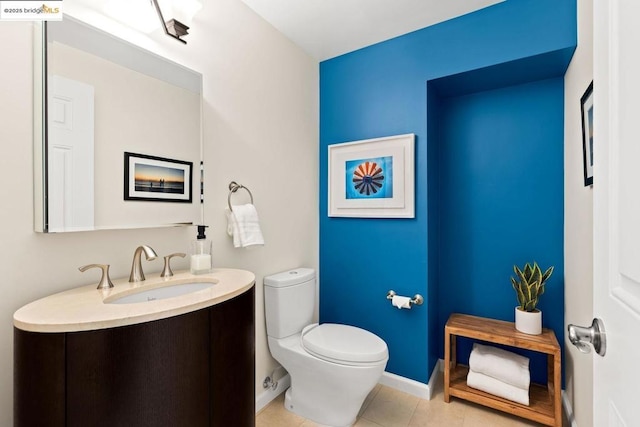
529,286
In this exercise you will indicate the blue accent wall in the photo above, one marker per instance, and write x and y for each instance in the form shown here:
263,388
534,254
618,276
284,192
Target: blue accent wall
480,85
500,201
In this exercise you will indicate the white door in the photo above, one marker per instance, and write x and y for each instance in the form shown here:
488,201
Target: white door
616,190
70,155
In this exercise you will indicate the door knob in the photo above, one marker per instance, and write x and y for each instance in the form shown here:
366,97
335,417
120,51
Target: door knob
595,335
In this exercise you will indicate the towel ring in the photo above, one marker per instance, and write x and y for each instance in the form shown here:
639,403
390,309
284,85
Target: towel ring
233,187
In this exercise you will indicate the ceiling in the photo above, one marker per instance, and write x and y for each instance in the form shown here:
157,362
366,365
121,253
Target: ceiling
328,28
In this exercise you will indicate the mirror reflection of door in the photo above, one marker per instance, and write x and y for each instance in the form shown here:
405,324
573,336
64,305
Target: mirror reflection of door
70,156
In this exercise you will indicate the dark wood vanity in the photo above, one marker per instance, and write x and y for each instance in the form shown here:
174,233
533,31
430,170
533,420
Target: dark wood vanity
194,369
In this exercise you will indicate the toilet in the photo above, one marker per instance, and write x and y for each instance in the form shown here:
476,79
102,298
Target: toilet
333,367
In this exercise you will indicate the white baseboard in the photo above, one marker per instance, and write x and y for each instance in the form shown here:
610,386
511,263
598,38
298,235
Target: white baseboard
567,410
415,388
435,376
264,398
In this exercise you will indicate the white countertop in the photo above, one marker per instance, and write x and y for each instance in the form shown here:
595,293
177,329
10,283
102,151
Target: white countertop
84,309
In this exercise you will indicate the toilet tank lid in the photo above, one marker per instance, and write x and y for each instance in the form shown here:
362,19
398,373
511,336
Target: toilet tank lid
290,277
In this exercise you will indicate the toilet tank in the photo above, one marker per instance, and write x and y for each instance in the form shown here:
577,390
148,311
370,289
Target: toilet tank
289,300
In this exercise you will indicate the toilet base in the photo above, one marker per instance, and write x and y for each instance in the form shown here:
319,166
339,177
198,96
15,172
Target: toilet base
326,393
289,406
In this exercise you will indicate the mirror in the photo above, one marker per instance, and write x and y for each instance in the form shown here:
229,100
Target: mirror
105,102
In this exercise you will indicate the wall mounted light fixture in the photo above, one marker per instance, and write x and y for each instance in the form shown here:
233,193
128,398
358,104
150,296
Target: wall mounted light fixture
172,27
142,15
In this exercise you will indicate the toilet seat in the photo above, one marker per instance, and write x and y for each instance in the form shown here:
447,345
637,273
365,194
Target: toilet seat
347,345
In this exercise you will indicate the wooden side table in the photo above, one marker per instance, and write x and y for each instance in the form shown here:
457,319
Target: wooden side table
544,400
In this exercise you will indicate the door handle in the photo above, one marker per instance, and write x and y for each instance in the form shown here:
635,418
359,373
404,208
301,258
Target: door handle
595,335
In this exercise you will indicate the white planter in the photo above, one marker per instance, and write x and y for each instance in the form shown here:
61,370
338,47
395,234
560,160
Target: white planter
529,322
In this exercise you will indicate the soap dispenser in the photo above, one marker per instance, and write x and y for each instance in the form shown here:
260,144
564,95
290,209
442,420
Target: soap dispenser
201,253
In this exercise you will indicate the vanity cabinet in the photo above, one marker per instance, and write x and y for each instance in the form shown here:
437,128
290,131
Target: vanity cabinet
194,369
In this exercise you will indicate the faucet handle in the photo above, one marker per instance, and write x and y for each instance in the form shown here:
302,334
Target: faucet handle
166,271
105,281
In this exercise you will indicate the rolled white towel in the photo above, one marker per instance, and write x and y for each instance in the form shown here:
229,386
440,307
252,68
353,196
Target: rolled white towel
497,387
500,364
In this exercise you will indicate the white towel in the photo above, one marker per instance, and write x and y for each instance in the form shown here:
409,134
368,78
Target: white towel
500,364
244,226
497,387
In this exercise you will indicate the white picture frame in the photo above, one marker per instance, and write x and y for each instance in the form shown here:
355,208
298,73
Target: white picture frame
372,178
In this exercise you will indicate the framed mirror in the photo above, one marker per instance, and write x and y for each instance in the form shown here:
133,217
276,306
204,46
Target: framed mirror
102,99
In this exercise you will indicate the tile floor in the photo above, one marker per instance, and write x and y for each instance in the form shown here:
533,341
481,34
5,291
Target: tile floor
388,407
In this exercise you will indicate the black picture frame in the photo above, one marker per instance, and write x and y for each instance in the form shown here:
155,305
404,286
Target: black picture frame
157,179
586,109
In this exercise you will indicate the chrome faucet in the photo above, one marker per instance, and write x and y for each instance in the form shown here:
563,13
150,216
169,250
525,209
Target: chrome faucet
136,267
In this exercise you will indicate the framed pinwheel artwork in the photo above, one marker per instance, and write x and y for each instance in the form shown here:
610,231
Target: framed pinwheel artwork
372,178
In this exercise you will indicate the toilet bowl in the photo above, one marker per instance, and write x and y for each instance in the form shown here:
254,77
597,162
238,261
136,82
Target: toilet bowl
333,367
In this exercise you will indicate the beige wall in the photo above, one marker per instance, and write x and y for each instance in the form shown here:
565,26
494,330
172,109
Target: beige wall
578,220
260,128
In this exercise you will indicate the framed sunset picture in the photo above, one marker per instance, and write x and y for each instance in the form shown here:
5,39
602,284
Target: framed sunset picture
372,178
157,179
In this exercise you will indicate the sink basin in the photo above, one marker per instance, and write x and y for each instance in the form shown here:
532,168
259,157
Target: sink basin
161,293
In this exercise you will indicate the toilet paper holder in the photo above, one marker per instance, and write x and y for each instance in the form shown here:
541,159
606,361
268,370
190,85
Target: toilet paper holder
416,300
